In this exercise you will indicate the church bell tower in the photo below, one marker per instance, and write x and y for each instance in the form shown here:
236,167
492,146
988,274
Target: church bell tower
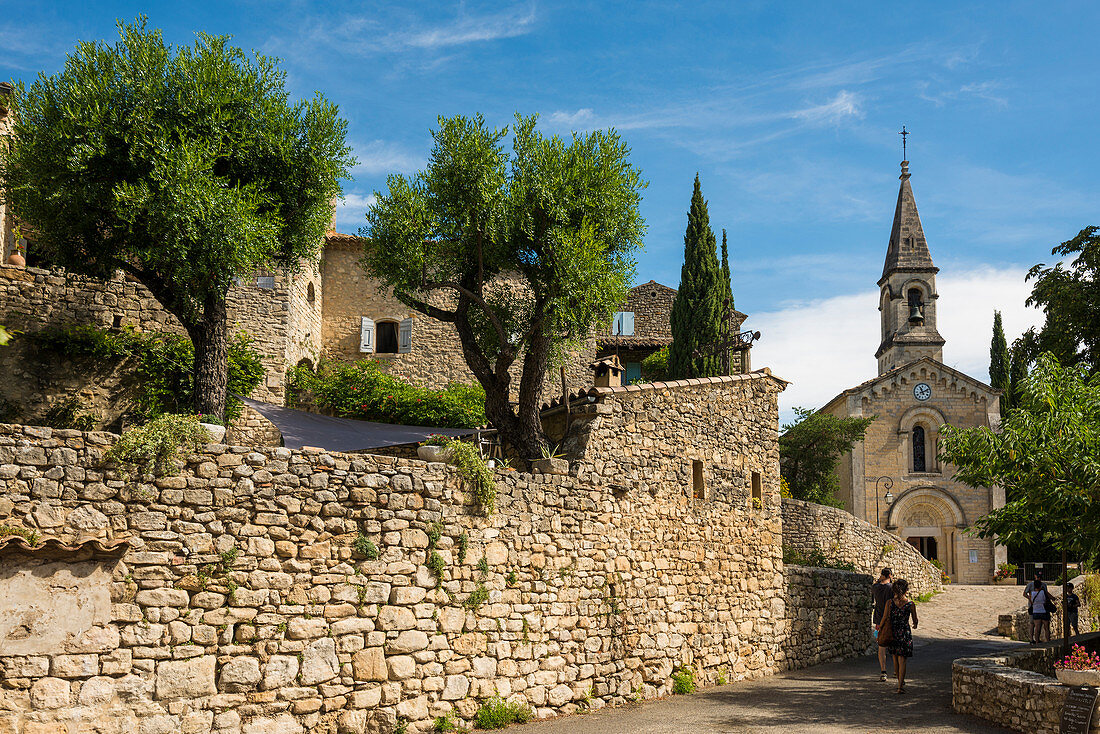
907,289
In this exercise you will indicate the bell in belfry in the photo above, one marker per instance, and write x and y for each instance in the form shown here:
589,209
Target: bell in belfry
915,313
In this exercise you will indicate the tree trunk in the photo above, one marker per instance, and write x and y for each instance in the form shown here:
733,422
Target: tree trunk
211,368
529,419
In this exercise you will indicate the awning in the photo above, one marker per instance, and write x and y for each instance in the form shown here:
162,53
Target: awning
300,428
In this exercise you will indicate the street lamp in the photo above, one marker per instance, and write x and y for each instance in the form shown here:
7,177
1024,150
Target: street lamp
889,484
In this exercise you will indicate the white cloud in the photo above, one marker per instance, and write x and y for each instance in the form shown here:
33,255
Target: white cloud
568,119
382,157
844,104
825,347
350,213
466,29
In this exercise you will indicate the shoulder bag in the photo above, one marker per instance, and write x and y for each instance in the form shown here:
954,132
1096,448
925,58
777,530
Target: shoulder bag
886,634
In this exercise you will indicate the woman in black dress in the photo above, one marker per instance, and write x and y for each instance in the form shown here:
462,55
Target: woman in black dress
901,608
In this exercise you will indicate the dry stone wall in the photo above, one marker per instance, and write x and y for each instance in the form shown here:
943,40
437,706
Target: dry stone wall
245,601
842,536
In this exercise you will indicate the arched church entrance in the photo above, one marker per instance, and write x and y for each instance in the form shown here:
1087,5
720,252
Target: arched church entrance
930,520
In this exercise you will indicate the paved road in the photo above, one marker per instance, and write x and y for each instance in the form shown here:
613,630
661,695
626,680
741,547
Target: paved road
837,697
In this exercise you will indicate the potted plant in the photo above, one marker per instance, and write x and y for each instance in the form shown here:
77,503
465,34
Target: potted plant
434,448
16,257
214,426
552,462
1079,668
1005,575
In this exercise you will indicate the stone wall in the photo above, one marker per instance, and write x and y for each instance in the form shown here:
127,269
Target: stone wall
828,615
1016,690
841,535
241,599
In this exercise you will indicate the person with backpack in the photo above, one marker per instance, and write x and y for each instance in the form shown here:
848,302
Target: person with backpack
1041,605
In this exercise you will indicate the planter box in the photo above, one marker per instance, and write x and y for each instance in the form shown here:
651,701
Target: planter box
1010,581
434,453
550,466
1078,677
217,433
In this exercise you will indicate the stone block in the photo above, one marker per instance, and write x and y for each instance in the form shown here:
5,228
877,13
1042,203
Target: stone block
407,641
74,666
401,667
186,678
279,672
239,674
50,693
370,664
319,662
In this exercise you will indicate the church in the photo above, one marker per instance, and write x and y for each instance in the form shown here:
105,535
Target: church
893,478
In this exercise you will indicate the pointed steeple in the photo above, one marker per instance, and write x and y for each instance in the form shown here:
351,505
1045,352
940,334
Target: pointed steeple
908,249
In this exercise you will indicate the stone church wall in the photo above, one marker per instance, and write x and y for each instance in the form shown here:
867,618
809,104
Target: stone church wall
242,602
841,535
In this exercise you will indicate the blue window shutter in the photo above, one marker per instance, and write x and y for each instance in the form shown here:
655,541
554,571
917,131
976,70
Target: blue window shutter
628,323
633,372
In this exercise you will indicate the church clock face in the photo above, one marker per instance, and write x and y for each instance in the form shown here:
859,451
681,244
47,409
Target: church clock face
922,392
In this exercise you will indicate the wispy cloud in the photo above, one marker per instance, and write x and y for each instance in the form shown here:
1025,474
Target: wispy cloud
465,29
350,213
844,104
383,157
936,92
965,311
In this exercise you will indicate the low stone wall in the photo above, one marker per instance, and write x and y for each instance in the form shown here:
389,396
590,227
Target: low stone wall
238,596
1016,690
844,537
828,615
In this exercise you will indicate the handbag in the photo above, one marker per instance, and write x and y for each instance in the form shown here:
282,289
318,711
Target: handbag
886,634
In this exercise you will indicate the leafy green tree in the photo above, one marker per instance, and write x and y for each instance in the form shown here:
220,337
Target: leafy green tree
185,167
1046,455
5,336
726,271
999,363
1070,298
521,253
809,449
697,309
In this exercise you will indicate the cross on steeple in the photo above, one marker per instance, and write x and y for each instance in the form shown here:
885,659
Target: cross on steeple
904,134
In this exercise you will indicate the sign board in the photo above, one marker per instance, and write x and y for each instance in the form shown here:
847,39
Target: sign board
1077,711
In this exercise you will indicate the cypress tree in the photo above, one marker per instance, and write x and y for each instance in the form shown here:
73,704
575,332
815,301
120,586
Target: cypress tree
726,270
696,310
999,366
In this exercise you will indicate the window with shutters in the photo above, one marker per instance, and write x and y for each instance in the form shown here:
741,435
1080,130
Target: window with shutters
387,337
623,323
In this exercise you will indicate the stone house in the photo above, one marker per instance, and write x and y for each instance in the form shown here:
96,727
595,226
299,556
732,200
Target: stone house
643,325
893,478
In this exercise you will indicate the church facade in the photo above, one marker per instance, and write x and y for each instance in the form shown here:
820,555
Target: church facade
893,478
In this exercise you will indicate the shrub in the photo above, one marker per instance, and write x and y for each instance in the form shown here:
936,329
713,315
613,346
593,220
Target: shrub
943,573
66,414
477,597
153,448
362,390
437,566
164,365
364,547
655,366
1005,570
445,723
476,473
816,558
683,681
496,713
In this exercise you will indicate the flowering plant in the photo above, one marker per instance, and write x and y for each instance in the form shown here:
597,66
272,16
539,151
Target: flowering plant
435,439
1079,659
1004,571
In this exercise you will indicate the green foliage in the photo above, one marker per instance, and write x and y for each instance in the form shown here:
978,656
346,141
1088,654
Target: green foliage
5,336
496,713
183,166
477,597
999,363
809,449
655,366
211,419
1090,593
532,248
1070,299
66,414
726,281
483,566
942,569
475,473
436,565
154,448
445,723
463,546
816,558
683,682
401,725
435,532
362,390
697,309
925,597
1047,457
511,580
165,364
30,536
364,547
721,680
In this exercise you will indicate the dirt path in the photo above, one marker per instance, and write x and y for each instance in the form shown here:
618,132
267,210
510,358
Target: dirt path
838,697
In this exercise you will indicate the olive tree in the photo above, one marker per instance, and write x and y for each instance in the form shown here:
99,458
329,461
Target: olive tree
522,253
185,167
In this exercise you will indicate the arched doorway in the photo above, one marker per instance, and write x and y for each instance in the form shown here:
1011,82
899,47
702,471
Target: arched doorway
930,520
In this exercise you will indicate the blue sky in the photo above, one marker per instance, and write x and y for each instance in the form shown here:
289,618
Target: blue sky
788,111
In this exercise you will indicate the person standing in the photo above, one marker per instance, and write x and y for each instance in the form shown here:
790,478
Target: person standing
1036,579
901,644
1072,608
1039,604
882,591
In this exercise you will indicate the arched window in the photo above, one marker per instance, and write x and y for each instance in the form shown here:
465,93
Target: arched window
919,463
387,337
